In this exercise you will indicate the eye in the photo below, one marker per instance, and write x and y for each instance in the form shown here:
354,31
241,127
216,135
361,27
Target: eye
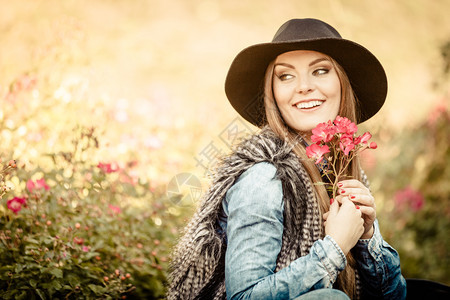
284,77
321,71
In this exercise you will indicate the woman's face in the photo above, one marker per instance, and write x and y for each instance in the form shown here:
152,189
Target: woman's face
306,88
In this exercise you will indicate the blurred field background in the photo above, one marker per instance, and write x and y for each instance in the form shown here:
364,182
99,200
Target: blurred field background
149,76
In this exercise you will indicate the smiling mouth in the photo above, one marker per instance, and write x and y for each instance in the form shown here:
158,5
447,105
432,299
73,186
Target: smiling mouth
309,104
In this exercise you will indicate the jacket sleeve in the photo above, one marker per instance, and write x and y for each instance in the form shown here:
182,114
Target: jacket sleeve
379,267
254,206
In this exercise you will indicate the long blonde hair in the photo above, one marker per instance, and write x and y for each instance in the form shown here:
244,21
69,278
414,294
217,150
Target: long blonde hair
348,108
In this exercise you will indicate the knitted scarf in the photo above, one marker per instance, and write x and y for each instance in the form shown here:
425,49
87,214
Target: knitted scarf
197,268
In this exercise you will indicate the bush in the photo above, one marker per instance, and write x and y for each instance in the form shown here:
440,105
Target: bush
81,229
416,218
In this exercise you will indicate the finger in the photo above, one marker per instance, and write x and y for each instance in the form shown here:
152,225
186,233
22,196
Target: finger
368,211
339,198
334,207
353,191
325,215
351,183
346,202
349,204
366,200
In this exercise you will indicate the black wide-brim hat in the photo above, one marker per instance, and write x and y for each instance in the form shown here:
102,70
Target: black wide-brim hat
244,84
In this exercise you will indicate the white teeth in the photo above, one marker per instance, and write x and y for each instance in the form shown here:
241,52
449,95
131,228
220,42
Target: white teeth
309,104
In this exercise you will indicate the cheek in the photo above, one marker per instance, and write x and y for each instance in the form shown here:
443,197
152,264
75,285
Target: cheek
334,88
334,92
281,93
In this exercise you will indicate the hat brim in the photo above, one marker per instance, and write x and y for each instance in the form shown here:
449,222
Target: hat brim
245,79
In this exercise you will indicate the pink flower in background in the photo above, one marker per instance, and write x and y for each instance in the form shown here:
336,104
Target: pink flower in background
15,204
115,209
108,168
37,185
439,110
153,142
409,198
78,240
85,249
315,151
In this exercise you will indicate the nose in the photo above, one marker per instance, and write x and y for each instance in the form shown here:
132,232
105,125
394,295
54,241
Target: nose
304,85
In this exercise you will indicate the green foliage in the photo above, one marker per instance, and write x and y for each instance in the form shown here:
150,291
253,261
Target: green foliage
87,230
416,219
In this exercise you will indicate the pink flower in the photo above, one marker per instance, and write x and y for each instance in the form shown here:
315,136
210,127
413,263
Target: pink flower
346,144
409,197
78,240
85,249
365,137
37,185
373,145
15,204
439,110
344,125
339,138
323,132
315,151
115,209
108,168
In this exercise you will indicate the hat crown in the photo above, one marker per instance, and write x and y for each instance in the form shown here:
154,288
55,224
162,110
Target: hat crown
304,29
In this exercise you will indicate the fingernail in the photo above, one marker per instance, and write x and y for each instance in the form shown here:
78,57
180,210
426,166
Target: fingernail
357,207
352,197
331,201
340,184
342,191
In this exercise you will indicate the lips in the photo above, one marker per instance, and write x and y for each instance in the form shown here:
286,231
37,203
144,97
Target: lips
308,104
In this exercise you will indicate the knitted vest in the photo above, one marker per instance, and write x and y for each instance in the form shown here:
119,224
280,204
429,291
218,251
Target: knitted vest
197,269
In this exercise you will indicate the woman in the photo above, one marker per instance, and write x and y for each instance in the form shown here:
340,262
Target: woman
264,230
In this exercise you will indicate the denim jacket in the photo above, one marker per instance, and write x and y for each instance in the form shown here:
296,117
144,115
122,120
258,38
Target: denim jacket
253,222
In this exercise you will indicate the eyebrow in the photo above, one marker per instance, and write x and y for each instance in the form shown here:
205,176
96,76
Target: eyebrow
316,61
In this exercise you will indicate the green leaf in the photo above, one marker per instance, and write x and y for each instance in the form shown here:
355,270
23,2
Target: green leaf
22,295
40,294
56,285
33,283
90,255
97,289
9,294
19,268
73,280
58,273
31,240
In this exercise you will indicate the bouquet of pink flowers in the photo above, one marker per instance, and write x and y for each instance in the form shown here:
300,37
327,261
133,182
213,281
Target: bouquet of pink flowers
339,139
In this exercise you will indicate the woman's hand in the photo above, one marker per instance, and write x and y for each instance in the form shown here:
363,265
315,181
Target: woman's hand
362,198
344,224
